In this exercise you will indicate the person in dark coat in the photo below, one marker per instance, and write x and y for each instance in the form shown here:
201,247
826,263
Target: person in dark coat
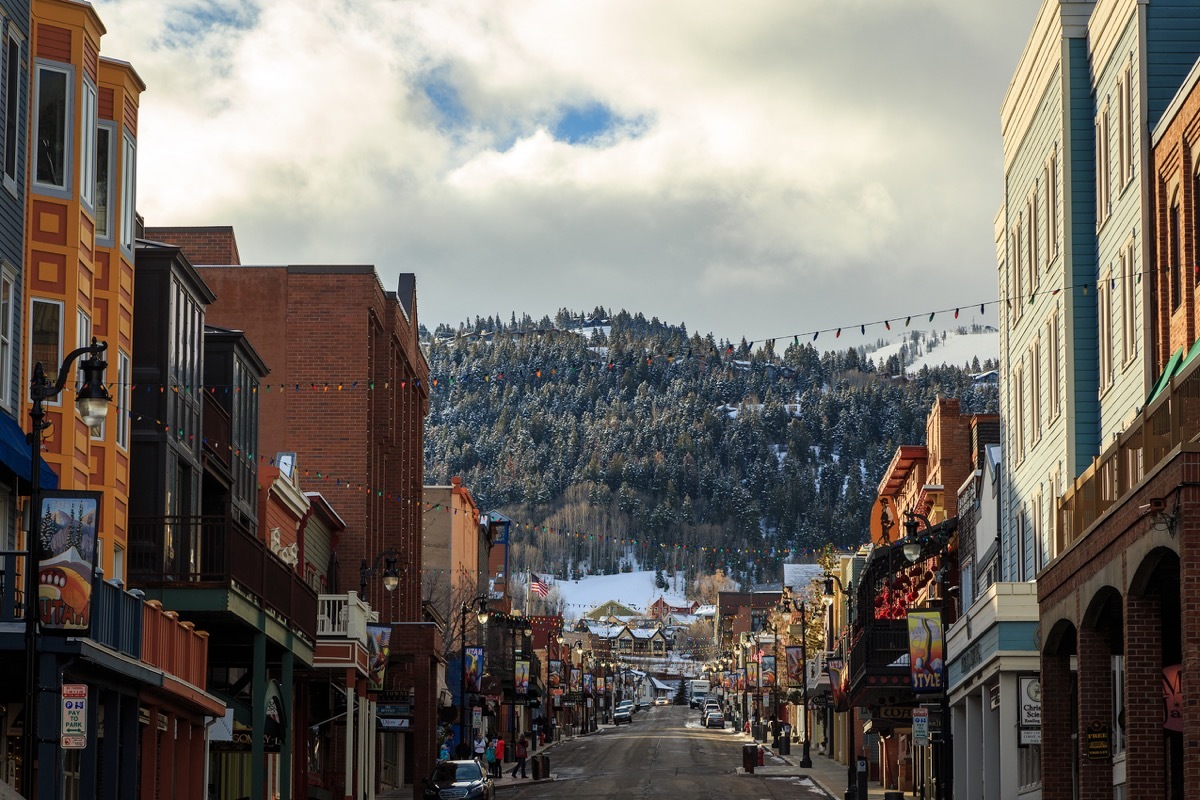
520,753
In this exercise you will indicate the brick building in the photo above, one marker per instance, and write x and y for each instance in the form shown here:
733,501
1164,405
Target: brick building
348,396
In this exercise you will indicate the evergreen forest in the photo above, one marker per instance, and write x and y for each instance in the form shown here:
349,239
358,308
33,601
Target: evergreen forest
616,442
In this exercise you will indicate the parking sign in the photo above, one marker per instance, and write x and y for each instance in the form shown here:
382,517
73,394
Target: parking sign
74,716
920,726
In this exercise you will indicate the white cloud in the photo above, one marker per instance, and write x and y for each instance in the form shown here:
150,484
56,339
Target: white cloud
787,164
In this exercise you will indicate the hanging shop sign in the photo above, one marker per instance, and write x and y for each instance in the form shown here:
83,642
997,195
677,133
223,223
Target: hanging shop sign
926,650
67,524
1097,744
1030,696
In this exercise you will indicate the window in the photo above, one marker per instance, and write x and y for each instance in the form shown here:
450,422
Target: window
12,106
1033,239
84,329
1175,261
1018,282
1022,544
118,573
45,337
128,190
52,128
1054,394
1104,311
1103,169
123,399
8,288
1124,134
1035,389
87,146
105,158
1129,335
1118,705
1018,413
1052,206
1039,547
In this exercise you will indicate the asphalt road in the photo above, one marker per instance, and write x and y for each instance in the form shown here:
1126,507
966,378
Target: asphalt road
664,753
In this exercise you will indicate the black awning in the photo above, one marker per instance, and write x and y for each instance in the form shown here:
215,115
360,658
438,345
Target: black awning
15,453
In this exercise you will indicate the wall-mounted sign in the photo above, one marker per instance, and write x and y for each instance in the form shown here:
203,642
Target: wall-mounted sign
1029,736
1097,745
74,716
395,723
920,726
393,710
1030,696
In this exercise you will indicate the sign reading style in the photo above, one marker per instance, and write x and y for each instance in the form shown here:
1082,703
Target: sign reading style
926,647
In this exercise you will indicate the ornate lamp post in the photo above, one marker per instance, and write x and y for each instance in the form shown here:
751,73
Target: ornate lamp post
799,605
848,593
91,400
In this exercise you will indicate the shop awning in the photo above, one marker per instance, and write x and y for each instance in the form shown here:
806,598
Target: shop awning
16,455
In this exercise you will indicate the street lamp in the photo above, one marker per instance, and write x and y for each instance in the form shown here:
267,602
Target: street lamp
91,400
800,605
391,575
848,593
480,607
914,548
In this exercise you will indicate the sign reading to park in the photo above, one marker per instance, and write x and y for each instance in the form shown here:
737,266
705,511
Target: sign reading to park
74,716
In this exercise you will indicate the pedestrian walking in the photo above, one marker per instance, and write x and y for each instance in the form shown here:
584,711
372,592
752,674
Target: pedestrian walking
480,747
520,752
489,756
499,765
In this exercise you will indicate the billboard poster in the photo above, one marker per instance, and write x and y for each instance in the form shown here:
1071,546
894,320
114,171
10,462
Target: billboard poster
67,523
925,649
521,678
767,672
752,673
554,678
576,679
475,656
795,666
379,643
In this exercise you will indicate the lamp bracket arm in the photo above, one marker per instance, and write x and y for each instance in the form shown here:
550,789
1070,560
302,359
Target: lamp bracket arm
53,390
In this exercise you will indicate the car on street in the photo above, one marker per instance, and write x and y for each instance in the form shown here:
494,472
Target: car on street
715,719
709,705
459,780
661,701
623,713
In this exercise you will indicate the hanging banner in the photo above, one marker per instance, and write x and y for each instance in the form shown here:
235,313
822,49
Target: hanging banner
838,687
67,523
795,666
521,678
554,678
1173,698
474,677
589,683
767,672
379,643
752,674
925,650
576,679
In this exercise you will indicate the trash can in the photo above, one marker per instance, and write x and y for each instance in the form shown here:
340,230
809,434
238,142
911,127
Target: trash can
536,763
755,731
749,757
545,760
785,740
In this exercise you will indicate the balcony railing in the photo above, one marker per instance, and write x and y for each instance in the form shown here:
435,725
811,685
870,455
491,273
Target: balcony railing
212,552
882,648
116,614
174,646
344,616
1172,419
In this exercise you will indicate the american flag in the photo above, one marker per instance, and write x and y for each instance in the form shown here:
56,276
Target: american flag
536,585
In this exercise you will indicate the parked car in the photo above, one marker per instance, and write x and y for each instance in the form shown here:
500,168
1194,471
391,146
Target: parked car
661,701
622,714
709,706
715,719
459,780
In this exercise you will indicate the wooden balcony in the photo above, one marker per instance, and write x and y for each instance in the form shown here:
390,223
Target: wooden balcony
116,614
1171,420
173,646
210,552
879,658
343,616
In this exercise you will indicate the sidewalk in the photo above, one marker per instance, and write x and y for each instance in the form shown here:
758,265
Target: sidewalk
825,772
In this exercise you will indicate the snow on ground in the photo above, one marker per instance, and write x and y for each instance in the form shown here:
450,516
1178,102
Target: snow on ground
957,350
633,589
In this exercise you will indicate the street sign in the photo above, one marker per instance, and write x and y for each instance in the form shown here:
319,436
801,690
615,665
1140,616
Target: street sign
920,726
74,716
477,718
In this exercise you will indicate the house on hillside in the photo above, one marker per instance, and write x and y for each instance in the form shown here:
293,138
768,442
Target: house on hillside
661,609
610,609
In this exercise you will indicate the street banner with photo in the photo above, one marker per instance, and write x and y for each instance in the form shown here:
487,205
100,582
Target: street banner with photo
741,680
554,678
600,684
475,657
727,680
836,668
66,528
1172,698
795,666
589,683
925,650
768,672
752,674
379,643
521,678
576,679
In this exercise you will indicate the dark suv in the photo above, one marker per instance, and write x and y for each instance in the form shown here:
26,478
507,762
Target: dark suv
459,780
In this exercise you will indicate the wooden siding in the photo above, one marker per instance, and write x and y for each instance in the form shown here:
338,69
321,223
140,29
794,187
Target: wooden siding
91,59
1172,46
53,43
105,103
12,204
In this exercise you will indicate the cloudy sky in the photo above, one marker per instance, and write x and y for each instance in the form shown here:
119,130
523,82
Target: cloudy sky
755,169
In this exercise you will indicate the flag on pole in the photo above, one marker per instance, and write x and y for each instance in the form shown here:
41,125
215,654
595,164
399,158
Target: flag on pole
536,585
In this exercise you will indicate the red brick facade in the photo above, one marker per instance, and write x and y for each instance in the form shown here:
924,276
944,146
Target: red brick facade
212,245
